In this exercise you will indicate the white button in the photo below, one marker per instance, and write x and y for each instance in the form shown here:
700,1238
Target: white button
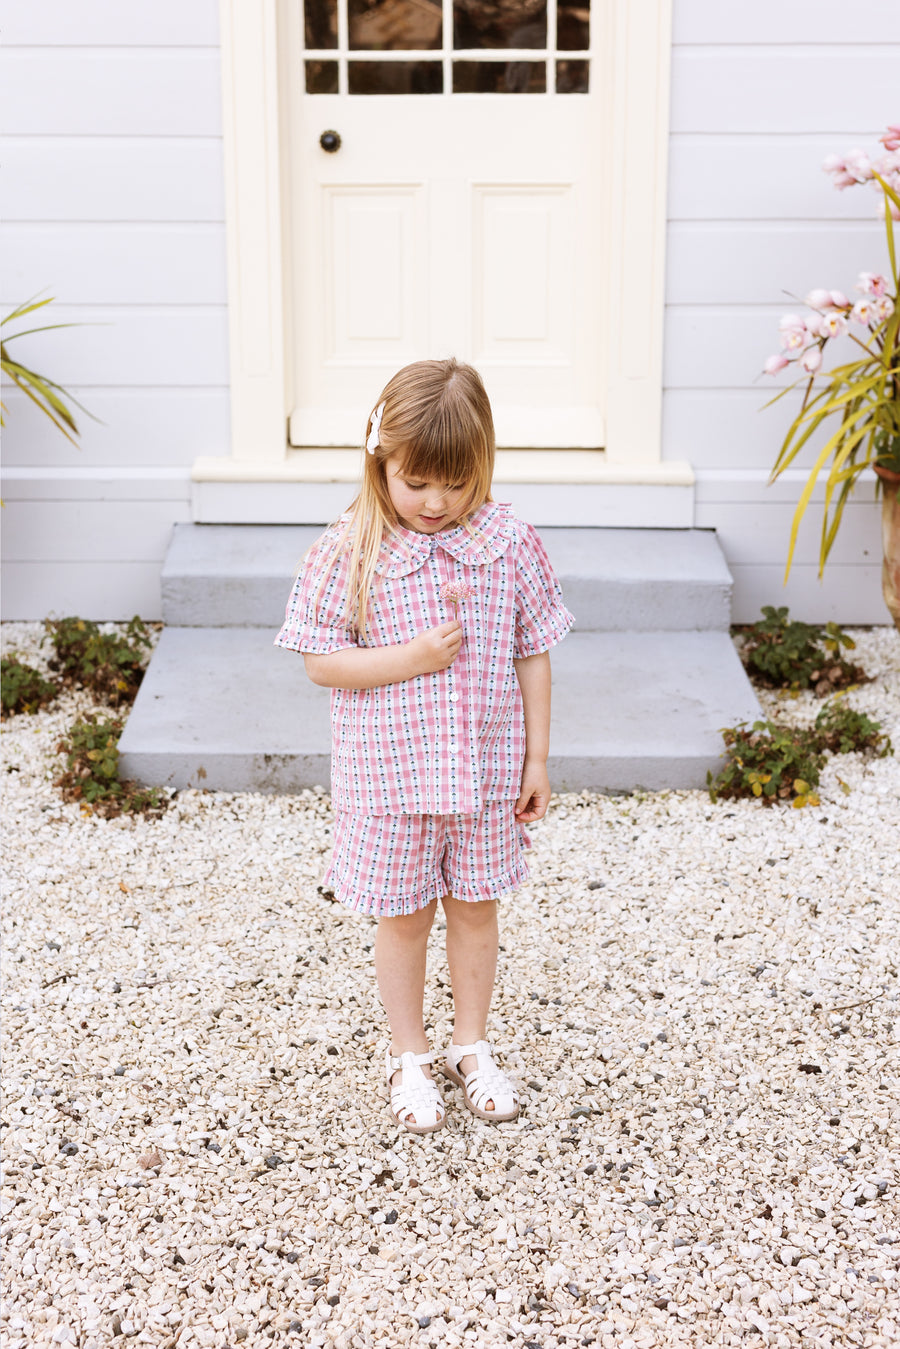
454,697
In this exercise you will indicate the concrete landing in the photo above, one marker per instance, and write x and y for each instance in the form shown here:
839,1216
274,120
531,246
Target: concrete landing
222,708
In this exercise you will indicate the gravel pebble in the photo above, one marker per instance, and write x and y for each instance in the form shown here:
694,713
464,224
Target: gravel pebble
702,1001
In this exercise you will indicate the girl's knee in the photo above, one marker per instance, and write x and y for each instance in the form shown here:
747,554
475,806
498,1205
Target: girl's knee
472,913
411,925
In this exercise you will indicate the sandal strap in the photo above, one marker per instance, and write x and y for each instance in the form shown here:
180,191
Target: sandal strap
392,1063
481,1047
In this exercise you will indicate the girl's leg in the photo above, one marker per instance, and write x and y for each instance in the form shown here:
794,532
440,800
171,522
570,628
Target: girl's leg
472,943
400,956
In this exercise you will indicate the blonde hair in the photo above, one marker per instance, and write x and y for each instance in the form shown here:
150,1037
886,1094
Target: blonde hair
437,416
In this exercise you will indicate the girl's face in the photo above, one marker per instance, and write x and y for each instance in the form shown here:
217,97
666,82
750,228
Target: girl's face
425,507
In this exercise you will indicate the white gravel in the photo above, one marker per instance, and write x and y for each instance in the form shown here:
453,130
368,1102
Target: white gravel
700,1003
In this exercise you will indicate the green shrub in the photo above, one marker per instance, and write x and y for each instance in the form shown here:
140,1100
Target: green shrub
786,654
843,731
23,688
111,665
92,772
768,761
781,763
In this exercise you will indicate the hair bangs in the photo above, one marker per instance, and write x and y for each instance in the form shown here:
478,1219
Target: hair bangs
441,455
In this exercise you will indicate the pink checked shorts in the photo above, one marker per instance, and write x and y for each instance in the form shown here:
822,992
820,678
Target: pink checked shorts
390,865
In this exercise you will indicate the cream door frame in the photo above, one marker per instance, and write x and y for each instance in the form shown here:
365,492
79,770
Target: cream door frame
639,37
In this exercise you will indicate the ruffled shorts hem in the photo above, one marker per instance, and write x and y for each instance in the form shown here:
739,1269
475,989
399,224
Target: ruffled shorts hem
414,860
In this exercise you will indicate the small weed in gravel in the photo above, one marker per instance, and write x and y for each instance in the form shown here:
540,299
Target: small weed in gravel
784,653
111,665
768,761
842,730
92,772
23,688
782,763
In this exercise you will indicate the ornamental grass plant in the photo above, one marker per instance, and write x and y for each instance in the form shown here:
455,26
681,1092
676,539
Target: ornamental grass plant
857,402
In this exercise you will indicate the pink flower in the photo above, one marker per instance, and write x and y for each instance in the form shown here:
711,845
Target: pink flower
832,324
870,283
839,299
891,138
794,335
888,165
855,167
774,364
862,313
883,308
455,592
818,299
811,360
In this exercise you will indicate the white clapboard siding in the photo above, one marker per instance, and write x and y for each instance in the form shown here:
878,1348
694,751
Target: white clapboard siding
113,178
754,263
847,595
740,525
110,23
91,531
718,346
753,523
67,553
114,204
730,177
172,345
760,96
704,22
95,590
134,427
111,92
723,428
757,89
103,264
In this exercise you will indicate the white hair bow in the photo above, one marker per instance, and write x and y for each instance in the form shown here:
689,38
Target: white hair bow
373,442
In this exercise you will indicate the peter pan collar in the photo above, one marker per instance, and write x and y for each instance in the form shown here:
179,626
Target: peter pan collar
489,533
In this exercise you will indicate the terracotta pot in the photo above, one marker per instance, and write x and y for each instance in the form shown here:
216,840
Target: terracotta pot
890,540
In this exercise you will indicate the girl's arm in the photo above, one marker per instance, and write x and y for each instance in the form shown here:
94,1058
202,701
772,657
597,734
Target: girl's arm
533,674
368,667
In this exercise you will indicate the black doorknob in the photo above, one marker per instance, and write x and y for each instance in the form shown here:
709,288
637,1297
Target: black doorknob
330,141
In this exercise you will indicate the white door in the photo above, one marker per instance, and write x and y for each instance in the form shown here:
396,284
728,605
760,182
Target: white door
455,209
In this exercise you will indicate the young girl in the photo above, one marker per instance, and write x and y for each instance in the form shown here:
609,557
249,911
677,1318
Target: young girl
429,610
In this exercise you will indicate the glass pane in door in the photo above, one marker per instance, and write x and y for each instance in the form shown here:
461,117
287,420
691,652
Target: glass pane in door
395,25
572,77
396,77
320,24
573,18
499,77
499,23
321,77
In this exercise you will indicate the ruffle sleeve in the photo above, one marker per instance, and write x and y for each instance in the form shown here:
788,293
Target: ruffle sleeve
542,619
314,620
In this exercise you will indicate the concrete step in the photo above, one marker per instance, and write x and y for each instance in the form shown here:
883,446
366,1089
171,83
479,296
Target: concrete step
222,708
613,579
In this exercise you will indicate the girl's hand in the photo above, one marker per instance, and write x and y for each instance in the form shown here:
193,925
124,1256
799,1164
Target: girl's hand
435,649
534,796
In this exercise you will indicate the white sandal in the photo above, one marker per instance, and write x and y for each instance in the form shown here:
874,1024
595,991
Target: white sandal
486,1083
415,1094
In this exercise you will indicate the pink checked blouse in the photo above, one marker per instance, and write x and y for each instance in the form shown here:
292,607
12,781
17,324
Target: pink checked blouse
442,743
